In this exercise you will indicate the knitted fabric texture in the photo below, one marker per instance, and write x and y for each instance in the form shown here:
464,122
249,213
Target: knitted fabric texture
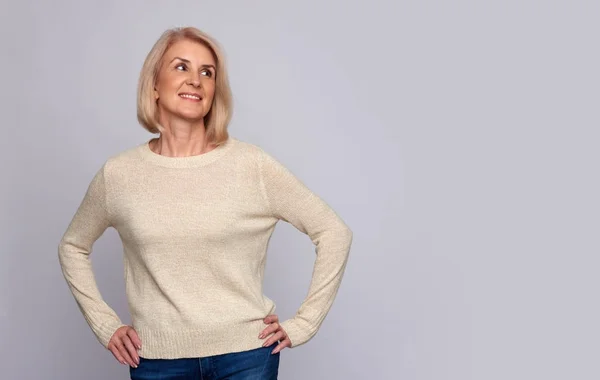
195,232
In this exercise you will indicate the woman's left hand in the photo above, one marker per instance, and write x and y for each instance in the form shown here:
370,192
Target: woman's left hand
279,334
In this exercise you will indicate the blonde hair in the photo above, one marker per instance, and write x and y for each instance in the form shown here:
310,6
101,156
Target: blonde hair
217,119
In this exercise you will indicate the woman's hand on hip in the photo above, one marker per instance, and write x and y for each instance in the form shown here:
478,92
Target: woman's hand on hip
124,345
278,332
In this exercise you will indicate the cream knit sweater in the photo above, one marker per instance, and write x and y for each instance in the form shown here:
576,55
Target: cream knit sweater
195,232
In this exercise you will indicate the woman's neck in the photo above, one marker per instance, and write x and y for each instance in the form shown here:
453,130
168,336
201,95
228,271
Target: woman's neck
181,142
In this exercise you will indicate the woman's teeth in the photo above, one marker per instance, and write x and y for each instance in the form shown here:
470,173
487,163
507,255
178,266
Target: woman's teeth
190,96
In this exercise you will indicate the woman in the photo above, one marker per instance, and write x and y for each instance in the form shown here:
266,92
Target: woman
195,210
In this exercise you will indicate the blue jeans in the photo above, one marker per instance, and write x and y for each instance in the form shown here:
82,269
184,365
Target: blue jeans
257,364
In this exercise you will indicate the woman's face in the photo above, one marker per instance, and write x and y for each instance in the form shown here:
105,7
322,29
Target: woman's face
185,86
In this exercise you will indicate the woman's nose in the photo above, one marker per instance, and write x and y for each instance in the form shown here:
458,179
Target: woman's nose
194,79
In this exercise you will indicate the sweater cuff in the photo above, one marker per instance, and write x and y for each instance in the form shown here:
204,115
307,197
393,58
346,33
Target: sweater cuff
107,331
299,330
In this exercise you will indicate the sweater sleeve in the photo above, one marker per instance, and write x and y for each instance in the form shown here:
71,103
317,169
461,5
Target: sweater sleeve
88,224
290,200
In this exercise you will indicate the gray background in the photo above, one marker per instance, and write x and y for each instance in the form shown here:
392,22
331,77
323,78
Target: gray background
458,139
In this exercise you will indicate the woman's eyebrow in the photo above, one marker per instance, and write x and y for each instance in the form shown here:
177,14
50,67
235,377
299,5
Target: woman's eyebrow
188,61
181,59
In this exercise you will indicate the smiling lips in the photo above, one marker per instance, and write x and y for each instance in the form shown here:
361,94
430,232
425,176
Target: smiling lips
190,96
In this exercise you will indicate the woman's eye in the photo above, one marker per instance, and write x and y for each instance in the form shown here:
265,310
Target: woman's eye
208,73
181,65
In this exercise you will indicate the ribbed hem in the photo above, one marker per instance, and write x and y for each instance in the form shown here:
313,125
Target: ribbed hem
173,344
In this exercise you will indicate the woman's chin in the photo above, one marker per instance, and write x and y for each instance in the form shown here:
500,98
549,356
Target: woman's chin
191,117
189,114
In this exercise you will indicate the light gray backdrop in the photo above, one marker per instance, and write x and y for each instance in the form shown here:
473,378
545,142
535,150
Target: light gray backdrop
458,139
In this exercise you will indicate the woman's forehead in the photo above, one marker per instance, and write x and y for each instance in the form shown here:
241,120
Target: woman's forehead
191,51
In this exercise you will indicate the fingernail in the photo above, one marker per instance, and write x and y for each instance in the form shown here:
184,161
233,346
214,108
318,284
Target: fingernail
260,336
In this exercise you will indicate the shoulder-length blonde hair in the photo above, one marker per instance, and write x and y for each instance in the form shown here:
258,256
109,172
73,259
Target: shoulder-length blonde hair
217,119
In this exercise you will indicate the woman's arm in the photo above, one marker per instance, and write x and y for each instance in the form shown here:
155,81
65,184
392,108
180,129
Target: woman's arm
88,224
290,200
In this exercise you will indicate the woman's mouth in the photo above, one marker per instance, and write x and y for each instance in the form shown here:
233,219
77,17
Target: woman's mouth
189,96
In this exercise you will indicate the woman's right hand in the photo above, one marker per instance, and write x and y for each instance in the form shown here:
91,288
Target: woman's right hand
123,345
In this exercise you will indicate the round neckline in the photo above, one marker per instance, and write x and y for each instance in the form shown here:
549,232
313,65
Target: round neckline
184,162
